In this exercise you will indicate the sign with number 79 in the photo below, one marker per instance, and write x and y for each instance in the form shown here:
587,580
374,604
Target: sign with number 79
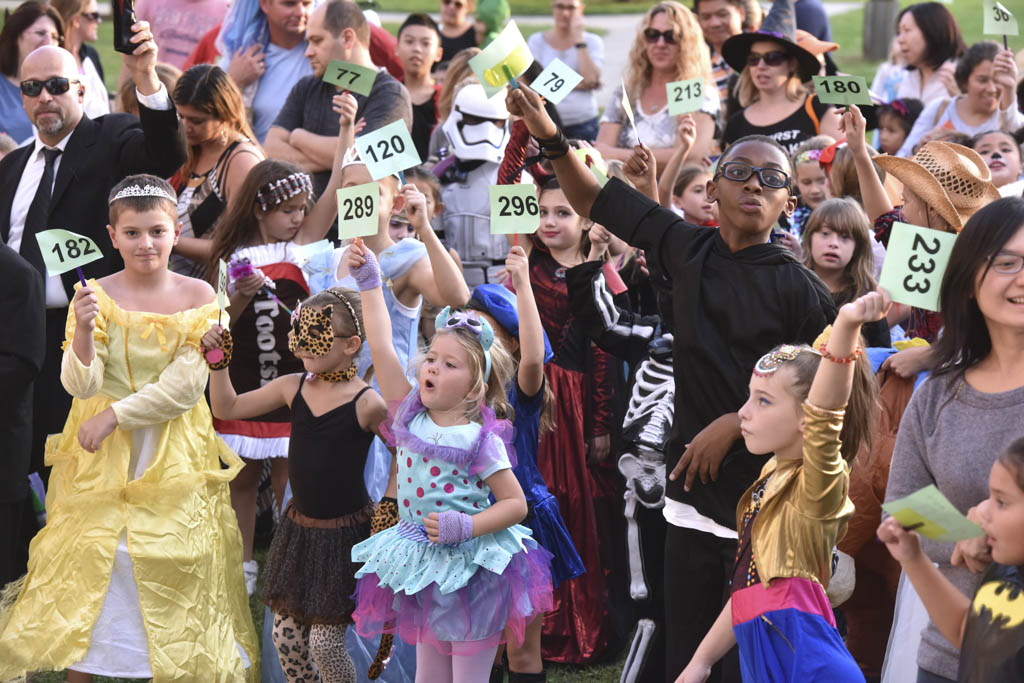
556,81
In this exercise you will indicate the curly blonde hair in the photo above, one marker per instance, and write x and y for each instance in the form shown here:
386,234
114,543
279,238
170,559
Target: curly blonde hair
694,56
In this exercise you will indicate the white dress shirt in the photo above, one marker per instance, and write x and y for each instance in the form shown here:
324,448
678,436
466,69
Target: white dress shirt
56,297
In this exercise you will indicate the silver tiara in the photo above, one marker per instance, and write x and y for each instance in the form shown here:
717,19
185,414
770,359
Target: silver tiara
144,191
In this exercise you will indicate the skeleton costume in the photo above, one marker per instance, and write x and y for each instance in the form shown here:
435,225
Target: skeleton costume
647,347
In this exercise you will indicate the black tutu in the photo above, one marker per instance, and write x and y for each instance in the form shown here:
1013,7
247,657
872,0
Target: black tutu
309,573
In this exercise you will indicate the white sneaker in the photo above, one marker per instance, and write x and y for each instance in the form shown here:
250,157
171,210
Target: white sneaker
251,570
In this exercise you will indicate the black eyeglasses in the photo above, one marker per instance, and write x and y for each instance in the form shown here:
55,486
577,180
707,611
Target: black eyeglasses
58,85
775,58
651,36
738,172
94,17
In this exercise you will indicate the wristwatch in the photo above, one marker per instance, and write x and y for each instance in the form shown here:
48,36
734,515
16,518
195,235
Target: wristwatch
580,46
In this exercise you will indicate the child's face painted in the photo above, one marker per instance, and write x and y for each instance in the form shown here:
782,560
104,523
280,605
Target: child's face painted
831,251
747,205
771,419
1002,516
445,376
560,227
890,133
1001,153
282,223
813,184
695,202
144,239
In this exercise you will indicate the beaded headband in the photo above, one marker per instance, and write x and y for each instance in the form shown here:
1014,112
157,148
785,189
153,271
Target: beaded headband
808,155
351,311
773,360
144,191
453,320
272,194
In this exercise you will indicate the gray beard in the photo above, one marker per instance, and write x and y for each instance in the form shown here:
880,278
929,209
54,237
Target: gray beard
55,127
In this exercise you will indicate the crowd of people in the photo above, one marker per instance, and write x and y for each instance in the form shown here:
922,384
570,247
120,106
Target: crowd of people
659,424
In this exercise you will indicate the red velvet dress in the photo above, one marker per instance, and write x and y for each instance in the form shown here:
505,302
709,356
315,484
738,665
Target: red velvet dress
579,628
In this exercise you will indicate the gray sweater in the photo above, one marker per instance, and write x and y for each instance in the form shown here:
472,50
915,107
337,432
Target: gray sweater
949,436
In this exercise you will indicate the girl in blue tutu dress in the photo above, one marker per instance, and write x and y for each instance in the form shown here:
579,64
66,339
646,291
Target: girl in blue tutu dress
457,572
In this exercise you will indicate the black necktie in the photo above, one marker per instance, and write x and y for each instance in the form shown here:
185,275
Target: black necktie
39,213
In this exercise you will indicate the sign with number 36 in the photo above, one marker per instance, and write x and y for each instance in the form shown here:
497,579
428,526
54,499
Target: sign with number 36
915,261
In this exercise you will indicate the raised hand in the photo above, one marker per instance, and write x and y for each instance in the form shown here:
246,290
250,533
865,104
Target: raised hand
141,63
903,545
686,130
866,309
528,105
87,307
852,126
345,106
517,265
642,170
415,205
362,265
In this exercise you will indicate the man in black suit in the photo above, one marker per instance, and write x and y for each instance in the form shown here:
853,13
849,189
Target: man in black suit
21,359
63,179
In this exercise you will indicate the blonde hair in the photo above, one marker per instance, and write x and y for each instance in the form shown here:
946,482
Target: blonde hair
842,176
458,71
694,56
747,94
845,217
490,393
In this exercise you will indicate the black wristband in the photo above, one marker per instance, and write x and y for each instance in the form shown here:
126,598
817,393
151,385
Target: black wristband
554,147
580,46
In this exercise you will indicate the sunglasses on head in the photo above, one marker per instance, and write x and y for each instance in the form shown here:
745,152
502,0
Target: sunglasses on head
774,58
58,85
651,36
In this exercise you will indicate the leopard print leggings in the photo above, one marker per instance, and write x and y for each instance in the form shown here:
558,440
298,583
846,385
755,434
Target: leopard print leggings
305,650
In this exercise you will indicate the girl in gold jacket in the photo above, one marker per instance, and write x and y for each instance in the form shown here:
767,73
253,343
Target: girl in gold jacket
792,516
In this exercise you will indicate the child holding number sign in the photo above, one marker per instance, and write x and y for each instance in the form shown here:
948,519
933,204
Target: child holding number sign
266,218
141,553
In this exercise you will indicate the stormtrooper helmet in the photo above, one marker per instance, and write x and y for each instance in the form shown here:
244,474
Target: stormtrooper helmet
477,127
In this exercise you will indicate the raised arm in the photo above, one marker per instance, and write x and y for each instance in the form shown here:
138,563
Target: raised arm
362,265
686,135
318,222
438,279
578,183
531,331
226,404
876,200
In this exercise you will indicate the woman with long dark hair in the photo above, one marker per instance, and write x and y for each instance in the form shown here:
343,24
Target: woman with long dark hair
972,407
221,150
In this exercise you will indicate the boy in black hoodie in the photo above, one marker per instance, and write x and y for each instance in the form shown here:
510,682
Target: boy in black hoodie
735,297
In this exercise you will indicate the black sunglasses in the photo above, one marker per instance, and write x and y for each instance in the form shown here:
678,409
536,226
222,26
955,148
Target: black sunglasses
651,36
58,85
774,58
739,172
93,16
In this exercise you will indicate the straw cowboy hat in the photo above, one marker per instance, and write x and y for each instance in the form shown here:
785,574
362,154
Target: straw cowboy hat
952,179
778,26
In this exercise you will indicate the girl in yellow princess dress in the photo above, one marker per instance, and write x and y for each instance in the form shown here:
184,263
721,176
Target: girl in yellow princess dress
138,571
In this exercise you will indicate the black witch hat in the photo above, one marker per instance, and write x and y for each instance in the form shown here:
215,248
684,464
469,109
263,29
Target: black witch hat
778,26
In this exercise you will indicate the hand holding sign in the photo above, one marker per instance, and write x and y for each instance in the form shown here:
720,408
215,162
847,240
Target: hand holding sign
357,211
351,77
506,53
685,96
931,514
388,150
556,81
514,209
63,250
216,355
914,264
843,90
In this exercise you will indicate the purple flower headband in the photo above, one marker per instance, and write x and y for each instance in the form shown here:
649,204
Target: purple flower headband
278,191
808,155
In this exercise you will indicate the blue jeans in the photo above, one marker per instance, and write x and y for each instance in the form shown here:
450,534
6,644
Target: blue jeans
582,131
928,677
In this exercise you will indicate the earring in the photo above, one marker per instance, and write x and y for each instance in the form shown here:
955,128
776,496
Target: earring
223,137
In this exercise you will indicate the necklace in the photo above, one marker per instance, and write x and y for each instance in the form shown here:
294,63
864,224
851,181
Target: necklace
337,375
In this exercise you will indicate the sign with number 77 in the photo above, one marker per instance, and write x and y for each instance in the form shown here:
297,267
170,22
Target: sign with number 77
556,81
63,250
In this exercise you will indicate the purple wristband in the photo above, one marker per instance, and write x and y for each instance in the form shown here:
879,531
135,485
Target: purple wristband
454,527
367,276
